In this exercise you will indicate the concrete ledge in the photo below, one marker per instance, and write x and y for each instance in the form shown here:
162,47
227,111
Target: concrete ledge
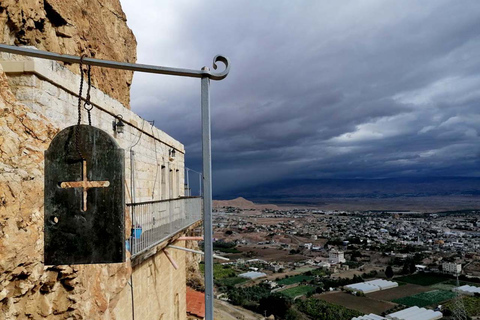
58,75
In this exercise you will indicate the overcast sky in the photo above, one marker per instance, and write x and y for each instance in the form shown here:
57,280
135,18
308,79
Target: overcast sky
338,89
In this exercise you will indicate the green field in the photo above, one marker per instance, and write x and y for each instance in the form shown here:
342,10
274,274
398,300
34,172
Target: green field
297,291
426,298
230,281
445,286
423,279
220,271
294,279
472,306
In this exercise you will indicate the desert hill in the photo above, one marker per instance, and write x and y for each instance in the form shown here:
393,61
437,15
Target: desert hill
242,203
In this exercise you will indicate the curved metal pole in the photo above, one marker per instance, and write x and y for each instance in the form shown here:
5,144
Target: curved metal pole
207,195
124,65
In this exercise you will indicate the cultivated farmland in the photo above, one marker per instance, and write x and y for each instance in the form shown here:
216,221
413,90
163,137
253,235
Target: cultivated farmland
297,291
294,279
361,304
398,292
422,279
426,298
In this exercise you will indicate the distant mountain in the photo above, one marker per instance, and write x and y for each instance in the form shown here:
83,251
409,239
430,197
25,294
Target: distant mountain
319,189
241,203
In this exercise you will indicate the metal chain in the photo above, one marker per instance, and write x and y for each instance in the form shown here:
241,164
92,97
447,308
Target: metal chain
88,106
77,127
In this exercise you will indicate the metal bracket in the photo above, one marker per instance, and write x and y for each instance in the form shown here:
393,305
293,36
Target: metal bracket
124,65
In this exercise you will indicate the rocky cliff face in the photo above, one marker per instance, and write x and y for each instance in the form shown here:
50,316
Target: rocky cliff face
28,289
91,27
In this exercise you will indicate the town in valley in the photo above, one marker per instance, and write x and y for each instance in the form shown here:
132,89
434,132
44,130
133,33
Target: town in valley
360,262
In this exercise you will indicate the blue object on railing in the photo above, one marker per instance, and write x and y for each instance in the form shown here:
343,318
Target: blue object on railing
127,245
136,233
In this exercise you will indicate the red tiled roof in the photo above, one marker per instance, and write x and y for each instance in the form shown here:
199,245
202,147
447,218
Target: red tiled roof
195,303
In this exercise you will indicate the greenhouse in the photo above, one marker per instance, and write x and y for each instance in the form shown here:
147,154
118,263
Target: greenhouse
467,290
415,313
371,286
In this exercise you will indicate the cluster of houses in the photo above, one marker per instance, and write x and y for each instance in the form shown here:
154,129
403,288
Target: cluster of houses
441,236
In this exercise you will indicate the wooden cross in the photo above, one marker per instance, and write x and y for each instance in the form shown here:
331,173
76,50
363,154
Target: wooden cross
85,185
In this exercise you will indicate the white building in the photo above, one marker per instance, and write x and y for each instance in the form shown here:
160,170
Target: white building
335,256
452,267
275,267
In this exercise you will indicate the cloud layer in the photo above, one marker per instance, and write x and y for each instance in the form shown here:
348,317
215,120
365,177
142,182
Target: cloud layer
317,89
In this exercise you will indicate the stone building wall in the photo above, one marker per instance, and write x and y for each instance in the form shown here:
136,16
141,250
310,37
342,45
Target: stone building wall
37,100
50,89
159,289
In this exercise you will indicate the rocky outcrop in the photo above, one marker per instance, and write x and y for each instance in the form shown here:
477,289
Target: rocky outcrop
91,27
194,276
28,289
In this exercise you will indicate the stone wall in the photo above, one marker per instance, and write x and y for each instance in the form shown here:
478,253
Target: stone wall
37,100
158,289
94,28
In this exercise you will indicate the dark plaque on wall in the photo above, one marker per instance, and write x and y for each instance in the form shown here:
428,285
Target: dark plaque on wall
84,198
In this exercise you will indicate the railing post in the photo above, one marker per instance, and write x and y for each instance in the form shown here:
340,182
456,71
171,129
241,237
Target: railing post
207,191
200,176
188,182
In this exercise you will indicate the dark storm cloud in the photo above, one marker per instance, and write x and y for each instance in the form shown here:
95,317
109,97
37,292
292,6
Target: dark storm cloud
317,88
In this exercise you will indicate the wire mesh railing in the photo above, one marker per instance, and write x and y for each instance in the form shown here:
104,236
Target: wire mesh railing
156,221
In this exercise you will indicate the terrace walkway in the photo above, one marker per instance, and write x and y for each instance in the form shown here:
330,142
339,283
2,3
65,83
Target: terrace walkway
159,220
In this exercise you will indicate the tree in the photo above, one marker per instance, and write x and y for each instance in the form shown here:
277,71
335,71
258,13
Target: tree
412,267
275,304
389,272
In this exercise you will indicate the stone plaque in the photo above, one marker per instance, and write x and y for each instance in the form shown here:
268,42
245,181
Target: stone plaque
84,199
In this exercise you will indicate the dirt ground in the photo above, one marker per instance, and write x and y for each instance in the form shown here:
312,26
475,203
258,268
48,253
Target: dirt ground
366,269
225,311
269,254
361,304
398,292
473,268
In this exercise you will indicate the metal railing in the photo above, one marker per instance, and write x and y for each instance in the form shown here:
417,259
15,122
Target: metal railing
194,184
156,221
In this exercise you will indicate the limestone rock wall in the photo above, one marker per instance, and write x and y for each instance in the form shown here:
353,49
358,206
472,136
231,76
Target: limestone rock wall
28,289
91,27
